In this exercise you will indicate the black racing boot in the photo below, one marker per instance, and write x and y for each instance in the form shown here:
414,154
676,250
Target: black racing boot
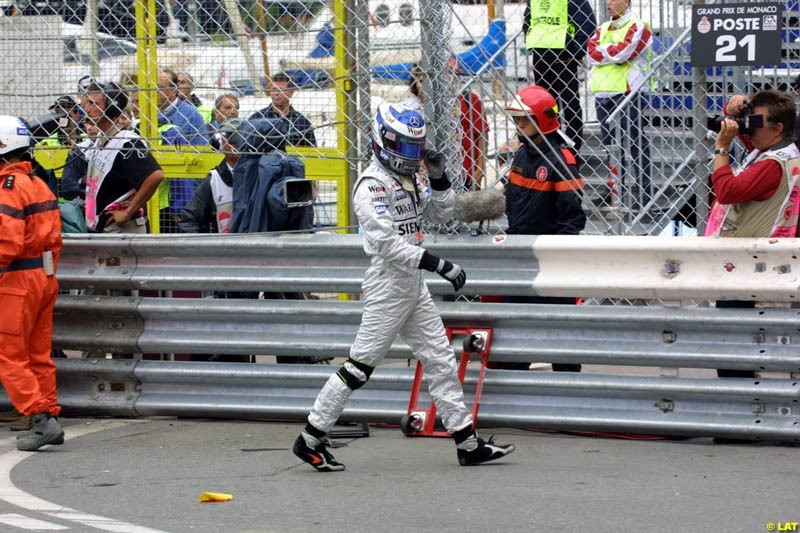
475,451
46,430
319,457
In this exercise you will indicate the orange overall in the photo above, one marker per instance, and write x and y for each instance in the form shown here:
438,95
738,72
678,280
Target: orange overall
30,224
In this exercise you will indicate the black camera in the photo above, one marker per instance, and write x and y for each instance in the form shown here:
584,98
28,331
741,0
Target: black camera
217,140
46,125
298,192
747,122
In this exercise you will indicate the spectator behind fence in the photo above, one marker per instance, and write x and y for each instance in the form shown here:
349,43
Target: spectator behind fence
390,200
226,107
68,132
179,112
186,93
30,244
175,111
122,174
757,198
281,90
474,126
185,84
211,208
544,190
620,51
556,33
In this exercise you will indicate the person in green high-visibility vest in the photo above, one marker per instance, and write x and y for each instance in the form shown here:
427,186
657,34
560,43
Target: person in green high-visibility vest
556,33
620,51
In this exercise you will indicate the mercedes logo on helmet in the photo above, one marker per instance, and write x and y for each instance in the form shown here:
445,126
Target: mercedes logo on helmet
414,122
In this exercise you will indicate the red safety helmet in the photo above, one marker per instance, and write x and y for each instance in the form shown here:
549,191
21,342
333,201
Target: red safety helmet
537,102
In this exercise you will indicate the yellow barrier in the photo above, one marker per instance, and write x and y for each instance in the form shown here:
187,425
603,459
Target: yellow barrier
328,164
324,164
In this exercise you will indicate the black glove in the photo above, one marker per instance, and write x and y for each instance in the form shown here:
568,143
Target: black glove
449,271
434,162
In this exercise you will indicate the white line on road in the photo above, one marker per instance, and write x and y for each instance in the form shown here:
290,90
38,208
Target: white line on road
26,522
20,498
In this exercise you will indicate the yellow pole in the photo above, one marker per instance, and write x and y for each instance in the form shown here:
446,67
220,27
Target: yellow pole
147,79
490,10
344,86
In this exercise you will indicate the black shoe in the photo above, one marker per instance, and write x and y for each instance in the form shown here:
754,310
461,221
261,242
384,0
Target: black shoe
483,452
319,457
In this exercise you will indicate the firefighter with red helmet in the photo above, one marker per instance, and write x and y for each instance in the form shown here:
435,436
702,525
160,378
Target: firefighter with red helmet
543,195
30,243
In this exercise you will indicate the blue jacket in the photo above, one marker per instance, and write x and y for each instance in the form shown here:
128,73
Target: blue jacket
191,129
188,120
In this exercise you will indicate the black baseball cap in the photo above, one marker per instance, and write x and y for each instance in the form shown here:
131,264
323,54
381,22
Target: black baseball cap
64,102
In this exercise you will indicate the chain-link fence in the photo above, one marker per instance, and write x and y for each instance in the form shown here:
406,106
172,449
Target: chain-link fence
188,66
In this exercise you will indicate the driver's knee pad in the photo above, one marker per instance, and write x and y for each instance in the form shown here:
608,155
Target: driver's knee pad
354,373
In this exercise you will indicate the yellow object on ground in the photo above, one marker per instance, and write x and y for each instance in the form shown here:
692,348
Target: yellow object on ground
207,497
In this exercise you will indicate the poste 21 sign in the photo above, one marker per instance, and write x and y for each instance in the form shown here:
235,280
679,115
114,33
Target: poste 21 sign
736,34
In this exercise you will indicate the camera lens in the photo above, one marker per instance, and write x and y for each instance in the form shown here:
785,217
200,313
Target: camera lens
216,141
714,123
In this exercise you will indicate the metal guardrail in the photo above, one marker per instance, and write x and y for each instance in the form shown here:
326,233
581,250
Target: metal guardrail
626,267
759,410
744,339
549,265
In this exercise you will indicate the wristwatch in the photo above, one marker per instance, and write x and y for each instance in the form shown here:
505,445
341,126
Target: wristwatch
721,152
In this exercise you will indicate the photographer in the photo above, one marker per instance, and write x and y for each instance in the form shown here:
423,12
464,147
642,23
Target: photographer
755,199
750,199
211,208
70,129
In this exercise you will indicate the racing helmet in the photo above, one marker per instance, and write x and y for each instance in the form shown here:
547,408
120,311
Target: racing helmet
14,135
398,138
537,102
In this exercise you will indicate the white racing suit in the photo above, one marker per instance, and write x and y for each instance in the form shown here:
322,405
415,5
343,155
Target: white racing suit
395,297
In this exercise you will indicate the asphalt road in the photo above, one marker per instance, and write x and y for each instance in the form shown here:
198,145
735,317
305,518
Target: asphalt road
141,476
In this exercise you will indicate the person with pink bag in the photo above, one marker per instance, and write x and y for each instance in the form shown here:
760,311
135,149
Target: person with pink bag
759,197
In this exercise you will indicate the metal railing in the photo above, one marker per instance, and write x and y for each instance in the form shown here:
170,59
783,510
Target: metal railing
759,339
547,265
758,410
605,335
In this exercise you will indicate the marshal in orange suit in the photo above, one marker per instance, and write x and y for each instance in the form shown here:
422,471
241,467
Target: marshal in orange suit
30,244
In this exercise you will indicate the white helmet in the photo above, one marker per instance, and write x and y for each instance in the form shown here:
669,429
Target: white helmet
14,134
398,138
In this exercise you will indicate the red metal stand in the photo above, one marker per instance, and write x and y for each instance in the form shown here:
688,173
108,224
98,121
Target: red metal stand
421,421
